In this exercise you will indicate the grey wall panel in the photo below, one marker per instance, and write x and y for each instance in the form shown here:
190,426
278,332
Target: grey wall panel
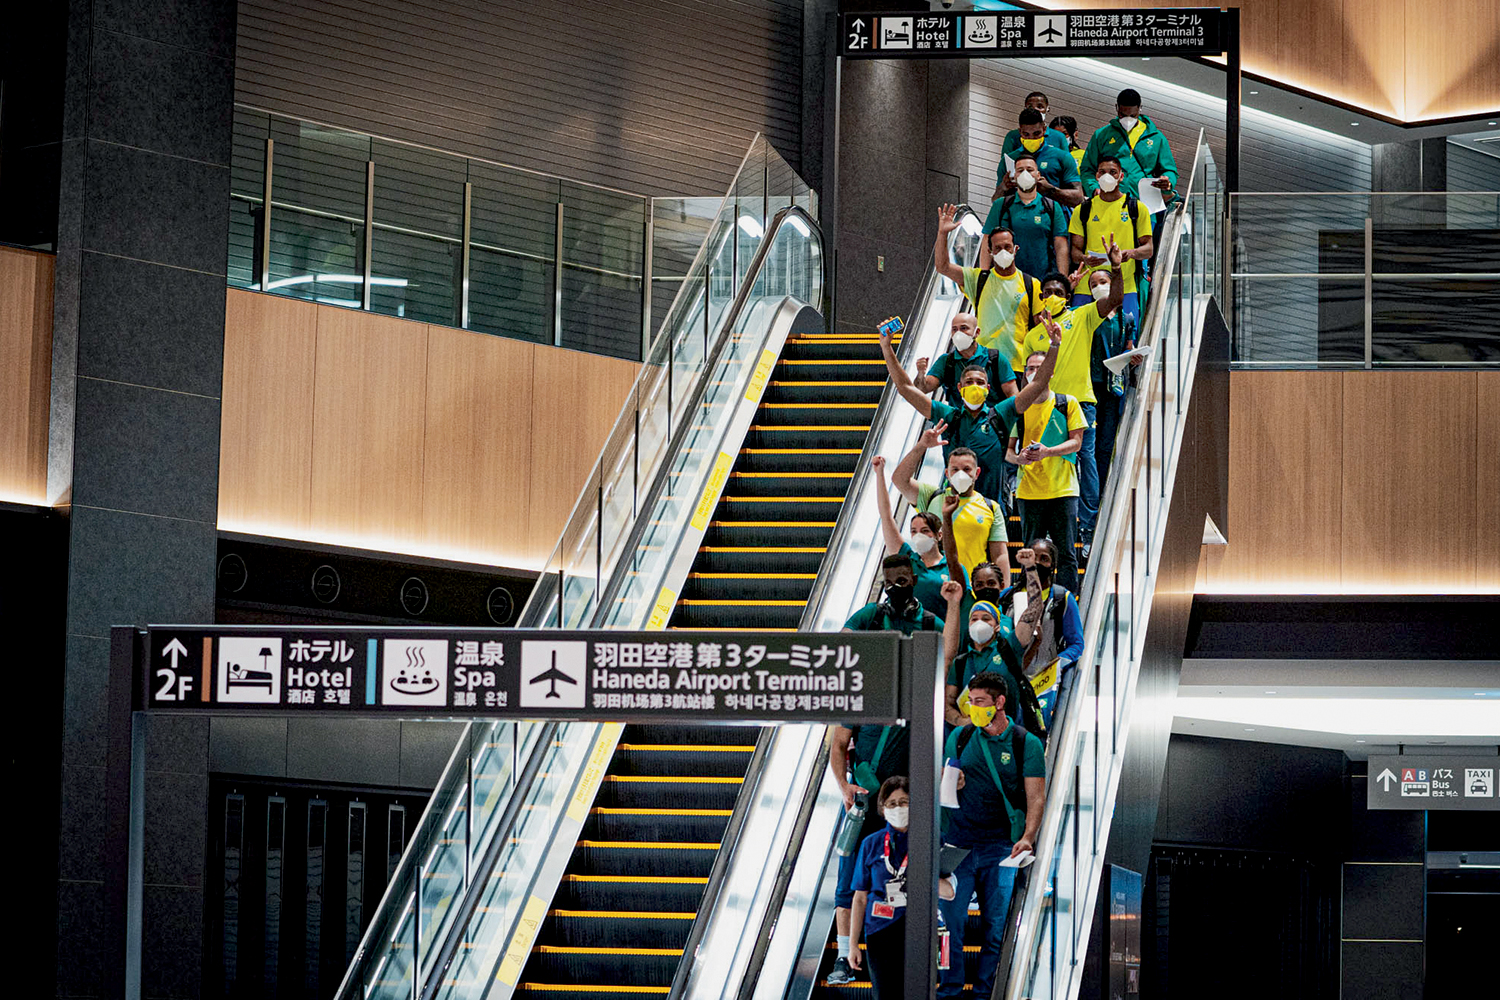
1471,170
652,96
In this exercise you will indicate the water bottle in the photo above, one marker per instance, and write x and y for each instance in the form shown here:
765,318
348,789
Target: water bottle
944,942
854,822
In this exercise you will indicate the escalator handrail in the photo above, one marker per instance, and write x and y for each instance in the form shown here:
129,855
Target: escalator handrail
485,865
811,613
643,521
1062,747
531,612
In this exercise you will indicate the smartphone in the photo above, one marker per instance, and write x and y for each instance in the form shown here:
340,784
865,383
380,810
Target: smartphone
890,326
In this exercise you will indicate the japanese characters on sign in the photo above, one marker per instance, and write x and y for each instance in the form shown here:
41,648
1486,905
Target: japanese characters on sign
1466,783
718,676
928,34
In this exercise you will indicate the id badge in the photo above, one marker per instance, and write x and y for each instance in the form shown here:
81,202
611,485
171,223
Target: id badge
885,911
895,893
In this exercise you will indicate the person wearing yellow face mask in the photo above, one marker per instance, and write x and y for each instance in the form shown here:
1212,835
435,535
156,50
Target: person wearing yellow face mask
1001,788
1057,178
965,351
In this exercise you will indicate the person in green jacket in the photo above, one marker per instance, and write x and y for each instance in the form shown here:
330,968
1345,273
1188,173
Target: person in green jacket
1141,148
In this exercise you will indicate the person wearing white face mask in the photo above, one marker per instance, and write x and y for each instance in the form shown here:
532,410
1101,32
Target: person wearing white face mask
945,371
1005,299
1112,212
1038,221
923,546
1137,143
881,895
984,643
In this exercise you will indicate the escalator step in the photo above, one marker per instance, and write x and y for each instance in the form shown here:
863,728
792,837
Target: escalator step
574,991
806,436
822,391
586,965
705,760
818,460
732,735
790,484
617,928
747,508
748,559
756,615
647,791
630,892
648,857
769,586
783,414
635,823
832,369
799,532
831,350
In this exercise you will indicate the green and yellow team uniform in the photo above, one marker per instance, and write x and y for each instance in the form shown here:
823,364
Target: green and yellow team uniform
977,522
1005,310
1071,375
1057,476
1104,219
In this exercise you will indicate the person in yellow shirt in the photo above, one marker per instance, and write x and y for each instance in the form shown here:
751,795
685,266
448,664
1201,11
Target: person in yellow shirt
1110,213
1045,444
1005,300
1074,376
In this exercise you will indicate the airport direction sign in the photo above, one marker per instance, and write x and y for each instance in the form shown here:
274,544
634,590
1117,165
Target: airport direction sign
1406,782
935,34
711,677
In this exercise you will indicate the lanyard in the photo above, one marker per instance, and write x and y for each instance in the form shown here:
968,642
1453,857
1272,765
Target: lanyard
1010,811
894,872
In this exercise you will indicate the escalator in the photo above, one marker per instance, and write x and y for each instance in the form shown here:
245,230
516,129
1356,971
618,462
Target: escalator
626,905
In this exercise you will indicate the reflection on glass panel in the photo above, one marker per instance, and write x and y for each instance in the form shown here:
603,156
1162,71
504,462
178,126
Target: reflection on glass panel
513,227
1301,234
247,180
603,260
417,255
1300,321
317,215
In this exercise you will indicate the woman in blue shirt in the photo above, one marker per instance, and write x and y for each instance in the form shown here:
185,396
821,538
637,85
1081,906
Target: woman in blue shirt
923,547
879,908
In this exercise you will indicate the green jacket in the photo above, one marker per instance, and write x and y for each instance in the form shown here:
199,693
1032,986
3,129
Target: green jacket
1153,156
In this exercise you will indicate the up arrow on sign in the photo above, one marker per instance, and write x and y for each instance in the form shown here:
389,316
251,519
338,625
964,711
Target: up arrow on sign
176,650
1385,778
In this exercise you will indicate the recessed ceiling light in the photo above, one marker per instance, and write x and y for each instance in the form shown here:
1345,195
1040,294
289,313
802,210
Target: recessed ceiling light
1359,741
1145,58
1249,730
1354,123
1254,92
1480,694
1270,692
1492,123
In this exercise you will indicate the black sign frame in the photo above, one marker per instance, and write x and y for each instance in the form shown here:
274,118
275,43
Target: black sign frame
1456,783
989,34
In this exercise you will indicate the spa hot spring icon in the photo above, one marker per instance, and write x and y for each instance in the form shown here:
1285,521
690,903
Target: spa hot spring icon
415,677
414,672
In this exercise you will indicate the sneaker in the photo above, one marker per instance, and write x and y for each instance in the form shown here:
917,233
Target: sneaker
1088,548
840,974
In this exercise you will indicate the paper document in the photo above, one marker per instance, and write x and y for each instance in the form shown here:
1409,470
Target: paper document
949,797
1150,197
1010,165
1019,861
1118,363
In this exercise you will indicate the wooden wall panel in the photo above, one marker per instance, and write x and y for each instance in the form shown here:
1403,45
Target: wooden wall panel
1412,60
1285,438
574,406
1410,442
25,372
1487,486
266,427
369,408
478,445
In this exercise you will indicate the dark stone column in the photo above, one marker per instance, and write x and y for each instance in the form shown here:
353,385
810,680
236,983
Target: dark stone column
1417,165
1384,899
134,452
903,151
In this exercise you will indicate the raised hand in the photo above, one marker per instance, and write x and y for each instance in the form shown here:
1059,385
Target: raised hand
951,591
1026,557
878,464
1116,255
921,367
932,437
947,219
951,502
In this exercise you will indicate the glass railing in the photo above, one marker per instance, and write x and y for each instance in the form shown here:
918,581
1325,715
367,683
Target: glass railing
441,860
1364,280
1086,749
761,921
404,230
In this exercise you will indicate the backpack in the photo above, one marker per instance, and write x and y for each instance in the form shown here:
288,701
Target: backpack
1009,201
1131,205
1017,752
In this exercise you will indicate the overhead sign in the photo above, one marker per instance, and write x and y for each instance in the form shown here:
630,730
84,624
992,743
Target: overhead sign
932,34
1433,783
523,673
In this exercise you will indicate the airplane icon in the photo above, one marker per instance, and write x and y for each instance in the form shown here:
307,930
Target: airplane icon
552,675
1050,33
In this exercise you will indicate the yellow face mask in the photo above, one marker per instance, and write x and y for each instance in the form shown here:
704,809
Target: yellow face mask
1032,145
975,395
1053,304
981,716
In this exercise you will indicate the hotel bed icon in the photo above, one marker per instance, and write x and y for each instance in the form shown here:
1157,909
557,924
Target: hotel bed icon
245,677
